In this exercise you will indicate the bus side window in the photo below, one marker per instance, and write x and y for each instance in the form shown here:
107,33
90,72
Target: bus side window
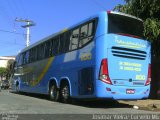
34,54
40,52
55,45
20,60
31,56
67,40
91,29
83,35
62,44
47,49
74,39
51,48
23,58
26,57
86,34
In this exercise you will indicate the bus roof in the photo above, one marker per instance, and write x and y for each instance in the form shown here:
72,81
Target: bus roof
54,34
120,13
66,29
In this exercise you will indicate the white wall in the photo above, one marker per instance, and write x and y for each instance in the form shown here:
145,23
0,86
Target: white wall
3,63
4,60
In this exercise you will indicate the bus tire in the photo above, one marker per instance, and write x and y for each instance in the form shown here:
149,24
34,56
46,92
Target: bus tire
65,93
54,93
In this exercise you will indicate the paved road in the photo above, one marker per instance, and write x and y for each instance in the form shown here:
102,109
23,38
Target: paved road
15,104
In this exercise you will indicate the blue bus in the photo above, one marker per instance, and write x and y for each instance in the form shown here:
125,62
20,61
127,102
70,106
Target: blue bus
103,57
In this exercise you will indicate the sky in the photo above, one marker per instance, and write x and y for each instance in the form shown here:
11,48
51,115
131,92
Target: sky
49,16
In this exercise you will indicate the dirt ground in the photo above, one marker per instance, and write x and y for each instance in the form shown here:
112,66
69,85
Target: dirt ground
148,104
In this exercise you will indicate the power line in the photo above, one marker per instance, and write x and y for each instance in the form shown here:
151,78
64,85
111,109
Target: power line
4,45
11,32
9,43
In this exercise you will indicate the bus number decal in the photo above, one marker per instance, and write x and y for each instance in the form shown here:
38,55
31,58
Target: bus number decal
140,77
87,56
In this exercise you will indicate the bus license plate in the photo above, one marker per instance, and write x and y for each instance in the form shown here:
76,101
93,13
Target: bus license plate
130,91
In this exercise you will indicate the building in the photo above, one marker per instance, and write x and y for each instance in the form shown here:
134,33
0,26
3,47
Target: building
4,60
3,63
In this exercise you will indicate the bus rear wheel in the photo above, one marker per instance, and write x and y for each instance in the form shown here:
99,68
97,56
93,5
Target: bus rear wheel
54,93
65,93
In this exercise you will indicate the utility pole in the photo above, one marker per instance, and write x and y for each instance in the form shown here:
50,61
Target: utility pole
27,26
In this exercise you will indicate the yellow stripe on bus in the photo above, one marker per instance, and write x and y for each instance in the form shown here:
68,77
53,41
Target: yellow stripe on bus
43,72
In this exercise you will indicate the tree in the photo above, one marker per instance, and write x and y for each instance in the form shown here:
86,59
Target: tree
7,72
10,69
149,12
3,72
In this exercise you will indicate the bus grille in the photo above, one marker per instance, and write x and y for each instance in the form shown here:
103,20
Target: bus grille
128,53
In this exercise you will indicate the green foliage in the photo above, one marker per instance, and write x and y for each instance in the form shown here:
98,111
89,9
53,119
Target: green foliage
3,71
141,8
152,29
149,12
10,67
7,72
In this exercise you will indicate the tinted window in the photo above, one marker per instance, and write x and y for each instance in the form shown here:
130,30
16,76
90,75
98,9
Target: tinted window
67,40
74,39
41,52
91,28
20,60
47,49
83,35
33,54
62,44
86,34
50,49
26,57
55,43
125,25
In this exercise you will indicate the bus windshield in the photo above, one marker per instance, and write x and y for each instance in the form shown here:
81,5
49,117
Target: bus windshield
125,25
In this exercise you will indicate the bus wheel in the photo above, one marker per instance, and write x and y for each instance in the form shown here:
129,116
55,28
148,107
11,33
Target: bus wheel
65,93
54,93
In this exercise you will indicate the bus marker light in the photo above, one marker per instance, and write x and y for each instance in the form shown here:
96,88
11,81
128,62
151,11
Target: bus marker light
149,75
104,74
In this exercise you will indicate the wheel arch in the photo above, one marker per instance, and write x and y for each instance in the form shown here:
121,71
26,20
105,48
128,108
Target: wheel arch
52,81
65,80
